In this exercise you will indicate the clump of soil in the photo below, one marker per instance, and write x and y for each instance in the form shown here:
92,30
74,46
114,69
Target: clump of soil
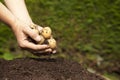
44,69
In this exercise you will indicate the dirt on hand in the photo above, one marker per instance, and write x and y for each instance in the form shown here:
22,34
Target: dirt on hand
44,69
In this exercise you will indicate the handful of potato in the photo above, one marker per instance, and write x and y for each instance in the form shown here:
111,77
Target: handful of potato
46,36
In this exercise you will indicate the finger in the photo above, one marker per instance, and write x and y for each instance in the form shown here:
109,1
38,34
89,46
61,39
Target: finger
32,33
35,47
39,28
44,52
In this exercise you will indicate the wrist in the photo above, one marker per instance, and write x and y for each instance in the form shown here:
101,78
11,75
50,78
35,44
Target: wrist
27,22
14,24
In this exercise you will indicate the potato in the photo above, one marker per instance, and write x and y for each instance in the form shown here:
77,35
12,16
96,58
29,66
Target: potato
52,43
46,36
46,32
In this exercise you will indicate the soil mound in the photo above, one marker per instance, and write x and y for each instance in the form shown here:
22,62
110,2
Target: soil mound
44,69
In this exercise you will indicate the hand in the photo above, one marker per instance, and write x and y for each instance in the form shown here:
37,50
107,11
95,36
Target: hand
22,32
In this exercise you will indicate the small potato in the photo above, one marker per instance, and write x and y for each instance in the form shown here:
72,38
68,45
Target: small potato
52,43
46,32
42,40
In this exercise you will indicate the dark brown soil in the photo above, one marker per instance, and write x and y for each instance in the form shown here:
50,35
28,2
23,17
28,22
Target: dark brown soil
44,69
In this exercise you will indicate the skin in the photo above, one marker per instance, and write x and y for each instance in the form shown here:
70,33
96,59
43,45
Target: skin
18,8
17,18
42,40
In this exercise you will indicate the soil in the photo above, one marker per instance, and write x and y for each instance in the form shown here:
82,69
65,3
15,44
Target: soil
44,69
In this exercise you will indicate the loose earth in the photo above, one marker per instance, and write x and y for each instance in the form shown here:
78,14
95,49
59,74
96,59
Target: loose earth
44,69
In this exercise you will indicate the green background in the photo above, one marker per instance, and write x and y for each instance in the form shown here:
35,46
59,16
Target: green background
87,31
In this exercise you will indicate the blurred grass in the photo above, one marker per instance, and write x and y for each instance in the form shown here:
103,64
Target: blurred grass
87,31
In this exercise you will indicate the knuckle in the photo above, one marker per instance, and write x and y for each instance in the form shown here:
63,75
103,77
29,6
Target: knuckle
33,35
40,29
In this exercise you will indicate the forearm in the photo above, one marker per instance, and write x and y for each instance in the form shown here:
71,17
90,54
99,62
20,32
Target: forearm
18,8
6,16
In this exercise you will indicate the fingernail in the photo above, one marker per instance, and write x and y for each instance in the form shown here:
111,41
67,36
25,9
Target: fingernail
38,38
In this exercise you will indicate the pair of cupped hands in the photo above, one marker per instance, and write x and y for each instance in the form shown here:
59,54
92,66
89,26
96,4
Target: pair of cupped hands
24,33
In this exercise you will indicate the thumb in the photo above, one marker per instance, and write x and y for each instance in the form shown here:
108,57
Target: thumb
33,33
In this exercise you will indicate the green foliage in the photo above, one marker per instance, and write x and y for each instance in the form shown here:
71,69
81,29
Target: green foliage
8,56
112,76
79,26
89,25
